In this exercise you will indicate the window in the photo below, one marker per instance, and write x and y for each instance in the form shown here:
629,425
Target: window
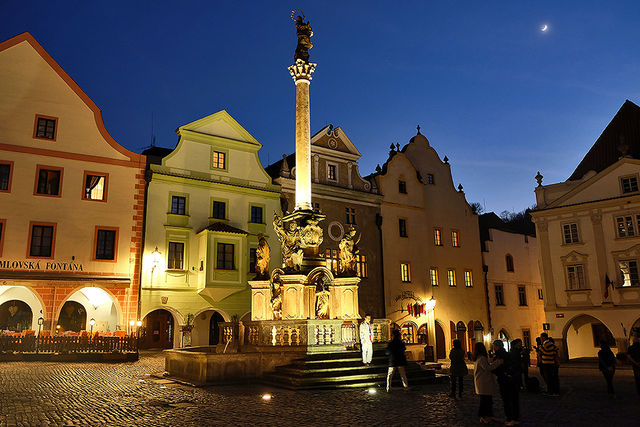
433,276
402,227
437,237
405,272
253,258
225,259
629,184
5,176
455,239
629,273
218,160
256,214
451,277
45,128
522,296
540,296
331,259
349,215
178,205
430,179
95,186
41,241
402,186
408,333
219,210
106,243
176,256
332,174
509,260
526,339
575,277
570,233
627,227
468,279
3,226
499,295
48,181
361,266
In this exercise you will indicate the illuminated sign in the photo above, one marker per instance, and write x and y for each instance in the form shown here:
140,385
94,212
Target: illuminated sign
40,265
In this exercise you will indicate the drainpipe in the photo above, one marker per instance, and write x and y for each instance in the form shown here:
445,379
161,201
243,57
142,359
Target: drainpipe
485,270
384,299
147,179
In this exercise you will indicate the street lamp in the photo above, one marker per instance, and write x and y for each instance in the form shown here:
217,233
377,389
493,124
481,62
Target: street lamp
91,322
155,258
131,324
40,323
57,329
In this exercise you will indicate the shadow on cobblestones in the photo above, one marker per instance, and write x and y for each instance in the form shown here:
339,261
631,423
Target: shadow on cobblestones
47,393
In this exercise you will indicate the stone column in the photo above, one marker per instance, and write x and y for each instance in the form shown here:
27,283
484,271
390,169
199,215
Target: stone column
301,73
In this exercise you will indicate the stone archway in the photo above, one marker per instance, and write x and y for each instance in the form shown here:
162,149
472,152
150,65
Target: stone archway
15,316
582,335
90,302
26,296
206,329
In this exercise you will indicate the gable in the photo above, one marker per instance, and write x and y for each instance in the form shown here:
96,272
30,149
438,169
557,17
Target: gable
222,125
329,141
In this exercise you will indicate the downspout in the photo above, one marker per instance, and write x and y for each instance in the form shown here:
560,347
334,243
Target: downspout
147,179
485,270
384,299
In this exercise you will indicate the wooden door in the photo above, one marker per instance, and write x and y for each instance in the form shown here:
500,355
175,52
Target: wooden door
440,348
158,330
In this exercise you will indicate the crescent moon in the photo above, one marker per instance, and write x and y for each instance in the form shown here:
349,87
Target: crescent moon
544,28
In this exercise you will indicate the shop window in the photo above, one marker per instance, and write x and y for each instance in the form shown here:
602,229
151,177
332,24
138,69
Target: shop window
42,240
176,256
405,272
45,128
256,215
225,256
48,181
95,186
106,244
219,210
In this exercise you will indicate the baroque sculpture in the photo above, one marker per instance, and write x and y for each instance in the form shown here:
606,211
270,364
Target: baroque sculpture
290,240
311,234
276,300
263,256
322,299
348,250
304,37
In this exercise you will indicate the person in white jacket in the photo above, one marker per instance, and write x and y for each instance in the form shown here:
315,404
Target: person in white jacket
366,340
485,382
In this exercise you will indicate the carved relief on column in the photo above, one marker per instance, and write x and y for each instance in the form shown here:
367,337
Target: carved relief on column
349,168
316,168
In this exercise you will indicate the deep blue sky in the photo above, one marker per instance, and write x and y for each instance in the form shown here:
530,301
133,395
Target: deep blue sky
492,92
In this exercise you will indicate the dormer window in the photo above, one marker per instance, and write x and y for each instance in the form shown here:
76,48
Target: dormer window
332,172
629,184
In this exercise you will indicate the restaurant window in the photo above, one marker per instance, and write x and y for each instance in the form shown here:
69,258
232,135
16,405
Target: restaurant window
405,272
361,266
451,277
629,184
522,296
437,237
256,214
219,210
253,258
41,244
433,276
468,279
49,181
349,215
331,260
332,173
575,277
499,290
5,176
178,205
402,227
45,128
176,256
225,259
570,233
509,260
455,239
106,240
218,160
402,186
95,187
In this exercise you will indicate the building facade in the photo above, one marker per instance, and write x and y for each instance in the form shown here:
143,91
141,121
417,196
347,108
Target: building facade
347,200
431,250
588,242
71,203
516,298
207,201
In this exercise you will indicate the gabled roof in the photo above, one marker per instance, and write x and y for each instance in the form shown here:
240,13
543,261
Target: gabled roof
221,227
491,220
625,128
235,130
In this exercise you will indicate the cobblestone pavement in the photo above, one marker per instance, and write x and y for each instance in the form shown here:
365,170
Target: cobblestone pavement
48,393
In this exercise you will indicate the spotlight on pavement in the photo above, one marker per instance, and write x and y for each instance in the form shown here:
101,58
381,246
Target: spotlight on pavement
266,396
372,391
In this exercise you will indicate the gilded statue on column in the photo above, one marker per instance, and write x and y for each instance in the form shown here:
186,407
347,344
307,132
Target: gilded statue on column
304,33
263,256
348,247
322,299
289,236
311,234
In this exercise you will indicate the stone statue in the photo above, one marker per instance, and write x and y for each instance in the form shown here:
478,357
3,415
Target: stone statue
276,300
348,250
263,256
304,38
322,300
311,234
289,237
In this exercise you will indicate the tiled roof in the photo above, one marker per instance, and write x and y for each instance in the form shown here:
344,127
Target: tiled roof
625,124
221,227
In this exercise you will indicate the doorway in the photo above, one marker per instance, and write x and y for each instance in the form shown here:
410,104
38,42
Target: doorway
214,328
157,330
440,347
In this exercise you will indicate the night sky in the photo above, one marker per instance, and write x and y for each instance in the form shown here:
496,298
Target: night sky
490,90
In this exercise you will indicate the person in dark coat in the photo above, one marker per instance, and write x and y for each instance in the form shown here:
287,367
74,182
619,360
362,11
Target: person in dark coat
506,383
397,360
458,368
525,362
607,364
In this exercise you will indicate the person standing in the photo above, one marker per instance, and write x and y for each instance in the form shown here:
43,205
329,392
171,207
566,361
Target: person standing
633,356
504,374
514,381
484,381
397,360
607,365
525,361
458,368
366,340
538,349
550,362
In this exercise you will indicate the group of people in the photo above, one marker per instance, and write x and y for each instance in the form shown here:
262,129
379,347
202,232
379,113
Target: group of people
607,362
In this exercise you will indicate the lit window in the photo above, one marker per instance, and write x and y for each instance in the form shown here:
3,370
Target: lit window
540,296
106,244
256,214
468,279
437,237
218,160
361,266
94,187
629,184
575,277
253,258
570,233
402,227
451,277
41,245
219,210
402,186
433,275
522,296
332,172
499,295
176,256
626,226
455,239
408,333
629,273
331,260
405,272
509,261
178,205
45,128
430,179
349,216
49,181
225,257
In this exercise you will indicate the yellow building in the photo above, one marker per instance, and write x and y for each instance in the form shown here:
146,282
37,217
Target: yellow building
71,202
431,250
588,230
207,201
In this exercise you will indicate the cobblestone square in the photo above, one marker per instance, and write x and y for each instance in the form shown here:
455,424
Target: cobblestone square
39,394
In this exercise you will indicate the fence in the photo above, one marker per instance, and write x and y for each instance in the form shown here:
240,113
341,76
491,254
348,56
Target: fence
62,344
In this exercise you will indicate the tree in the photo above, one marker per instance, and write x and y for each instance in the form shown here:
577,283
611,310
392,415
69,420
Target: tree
477,208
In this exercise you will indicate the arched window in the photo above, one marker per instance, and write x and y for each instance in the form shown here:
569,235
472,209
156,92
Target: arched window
509,260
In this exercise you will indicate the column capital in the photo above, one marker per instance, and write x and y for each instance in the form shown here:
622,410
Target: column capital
301,70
